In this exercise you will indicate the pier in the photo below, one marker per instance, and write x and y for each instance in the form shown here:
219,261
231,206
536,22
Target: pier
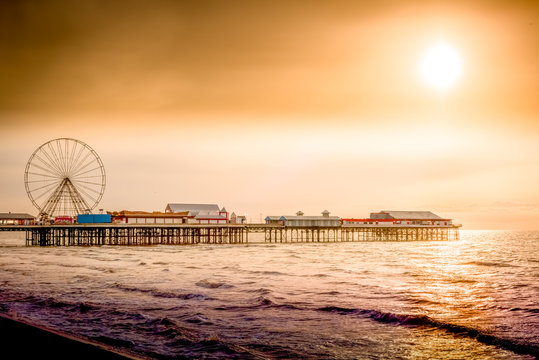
136,235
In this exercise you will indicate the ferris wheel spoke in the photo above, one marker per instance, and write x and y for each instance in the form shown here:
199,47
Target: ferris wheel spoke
79,173
80,188
72,154
47,192
41,196
52,156
56,156
81,163
54,174
90,176
85,190
63,154
38,174
86,172
38,193
50,164
44,186
66,154
86,182
60,155
77,185
41,181
76,197
76,159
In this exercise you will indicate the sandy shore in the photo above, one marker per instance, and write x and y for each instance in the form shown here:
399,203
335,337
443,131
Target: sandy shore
25,341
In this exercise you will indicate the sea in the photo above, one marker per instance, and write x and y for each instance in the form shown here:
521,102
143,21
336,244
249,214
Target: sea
475,298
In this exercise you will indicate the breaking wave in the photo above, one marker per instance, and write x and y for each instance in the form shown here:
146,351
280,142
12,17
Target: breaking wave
424,320
212,285
163,294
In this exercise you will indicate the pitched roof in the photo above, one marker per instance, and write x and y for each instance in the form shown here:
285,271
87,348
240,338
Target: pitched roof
128,213
272,218
210,217
16,216
194,208
286,217
419,215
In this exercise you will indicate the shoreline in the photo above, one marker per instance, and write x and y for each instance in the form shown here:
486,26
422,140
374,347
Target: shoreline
26,340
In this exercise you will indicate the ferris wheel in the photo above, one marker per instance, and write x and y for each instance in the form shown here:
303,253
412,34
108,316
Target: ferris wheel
64,177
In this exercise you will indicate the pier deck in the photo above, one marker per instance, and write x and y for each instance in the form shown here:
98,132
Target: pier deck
130,235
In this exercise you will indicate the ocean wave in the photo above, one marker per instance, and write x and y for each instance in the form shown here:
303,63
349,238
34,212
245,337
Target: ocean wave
198,319
71,265
192,343
262,291
320,275
489,263
533,311
265,272
222,349
334,293
212,285
163,294
424,320
261,302
53,303
273,351
114,341
267,302
423,301
461,281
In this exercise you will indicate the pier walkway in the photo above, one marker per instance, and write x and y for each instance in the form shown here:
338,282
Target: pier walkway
130,235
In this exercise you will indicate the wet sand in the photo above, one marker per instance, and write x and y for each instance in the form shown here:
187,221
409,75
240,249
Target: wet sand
21,340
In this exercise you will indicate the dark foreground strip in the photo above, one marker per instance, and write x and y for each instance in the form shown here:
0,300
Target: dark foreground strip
25,341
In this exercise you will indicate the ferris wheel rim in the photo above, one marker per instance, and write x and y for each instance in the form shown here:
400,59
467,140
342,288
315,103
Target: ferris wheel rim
58,168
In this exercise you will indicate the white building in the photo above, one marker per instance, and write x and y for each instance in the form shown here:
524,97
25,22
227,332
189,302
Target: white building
200,213
237,219
308,221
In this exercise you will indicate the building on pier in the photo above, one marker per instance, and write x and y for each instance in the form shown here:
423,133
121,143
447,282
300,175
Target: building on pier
237,219
273,220
200,213
142,217
16,219
400,218
301,220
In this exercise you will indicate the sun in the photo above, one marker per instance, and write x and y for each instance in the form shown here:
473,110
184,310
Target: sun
441,66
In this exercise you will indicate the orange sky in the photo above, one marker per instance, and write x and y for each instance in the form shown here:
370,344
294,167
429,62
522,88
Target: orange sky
271,107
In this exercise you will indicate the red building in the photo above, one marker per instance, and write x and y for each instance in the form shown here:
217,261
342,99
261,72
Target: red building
142,217
401,218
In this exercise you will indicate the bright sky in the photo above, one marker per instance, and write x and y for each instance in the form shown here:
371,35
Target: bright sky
269,107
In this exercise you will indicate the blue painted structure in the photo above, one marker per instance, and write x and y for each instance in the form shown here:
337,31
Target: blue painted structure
93,219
